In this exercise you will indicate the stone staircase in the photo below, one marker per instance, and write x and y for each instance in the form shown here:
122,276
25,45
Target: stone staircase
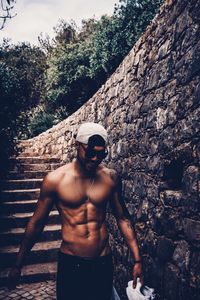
18,198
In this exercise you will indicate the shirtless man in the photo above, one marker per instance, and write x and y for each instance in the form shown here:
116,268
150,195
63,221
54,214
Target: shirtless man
81,191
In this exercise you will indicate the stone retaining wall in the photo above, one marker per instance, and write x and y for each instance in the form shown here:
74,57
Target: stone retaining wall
150,107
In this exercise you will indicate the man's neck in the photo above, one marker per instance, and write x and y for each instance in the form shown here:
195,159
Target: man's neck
82,171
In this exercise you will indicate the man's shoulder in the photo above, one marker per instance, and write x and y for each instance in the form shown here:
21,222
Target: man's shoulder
54,177
111,173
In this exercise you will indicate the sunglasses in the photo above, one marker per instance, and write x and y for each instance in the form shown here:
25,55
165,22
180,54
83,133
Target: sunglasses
90,153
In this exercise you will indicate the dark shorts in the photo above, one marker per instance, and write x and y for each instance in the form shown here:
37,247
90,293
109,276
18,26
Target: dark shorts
80,278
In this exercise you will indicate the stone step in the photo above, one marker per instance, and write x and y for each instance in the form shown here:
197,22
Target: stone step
27,153
24,142
33,273
14,236
33,160
26,175
15,195
42,252
21,206
18,207
35,167
21,219
20,184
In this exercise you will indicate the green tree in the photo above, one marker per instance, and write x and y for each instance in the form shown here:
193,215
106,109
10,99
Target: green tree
22,72
81,61
117,34
42,118
30,65
11,105
65,32
69,81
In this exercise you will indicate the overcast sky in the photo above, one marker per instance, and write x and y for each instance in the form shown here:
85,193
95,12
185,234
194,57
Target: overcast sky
36,16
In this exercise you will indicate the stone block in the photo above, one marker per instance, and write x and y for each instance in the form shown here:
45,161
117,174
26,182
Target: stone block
139,184
154,164
195,270
152,192
151,120
153,145
168,222
122,149
190,181
191,229
164,49
165,249
167,139
172,198
153,273
181,255
161,118
171,282
149,243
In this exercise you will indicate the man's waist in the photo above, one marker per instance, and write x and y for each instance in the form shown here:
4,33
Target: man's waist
76,258
85,248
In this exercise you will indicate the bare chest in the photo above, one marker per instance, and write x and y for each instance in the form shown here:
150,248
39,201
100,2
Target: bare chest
76,192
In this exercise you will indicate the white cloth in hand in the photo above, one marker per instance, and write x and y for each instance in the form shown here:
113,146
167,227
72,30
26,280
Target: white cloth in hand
135,294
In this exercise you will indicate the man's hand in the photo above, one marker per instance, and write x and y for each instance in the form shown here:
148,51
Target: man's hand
137,273
13,277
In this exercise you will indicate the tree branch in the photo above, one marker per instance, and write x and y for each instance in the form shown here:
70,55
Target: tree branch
5,11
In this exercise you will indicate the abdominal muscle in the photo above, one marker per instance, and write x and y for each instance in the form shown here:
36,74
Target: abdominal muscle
82,236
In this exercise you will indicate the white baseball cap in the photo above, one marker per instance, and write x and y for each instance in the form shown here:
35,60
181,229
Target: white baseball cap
86,130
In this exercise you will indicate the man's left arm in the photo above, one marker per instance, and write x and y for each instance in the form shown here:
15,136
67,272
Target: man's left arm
124,223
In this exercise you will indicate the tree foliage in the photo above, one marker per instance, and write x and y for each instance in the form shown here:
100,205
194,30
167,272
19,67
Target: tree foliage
64,72
117,34
22,70
80,62
68,77
30,66
11,104
42,118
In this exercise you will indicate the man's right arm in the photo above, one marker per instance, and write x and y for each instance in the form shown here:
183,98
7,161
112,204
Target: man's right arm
34,226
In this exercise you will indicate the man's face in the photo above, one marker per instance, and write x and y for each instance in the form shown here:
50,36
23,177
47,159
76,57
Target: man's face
91,157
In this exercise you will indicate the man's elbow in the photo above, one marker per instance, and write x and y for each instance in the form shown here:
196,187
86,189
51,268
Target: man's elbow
122,221
34,226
